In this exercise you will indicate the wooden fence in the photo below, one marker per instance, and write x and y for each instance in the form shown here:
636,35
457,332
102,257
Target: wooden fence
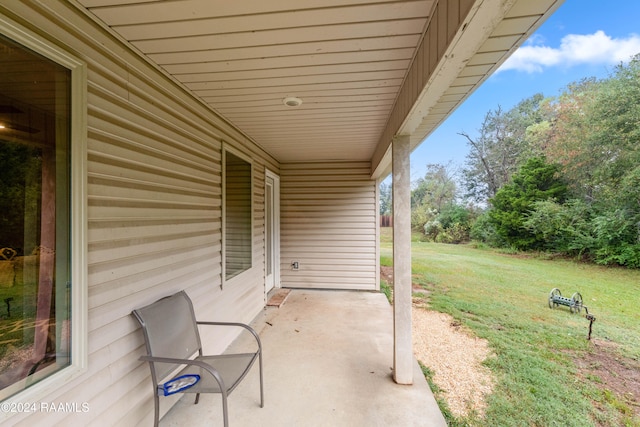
386,220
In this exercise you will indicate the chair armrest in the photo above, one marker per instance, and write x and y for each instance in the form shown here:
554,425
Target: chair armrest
241,325
213,371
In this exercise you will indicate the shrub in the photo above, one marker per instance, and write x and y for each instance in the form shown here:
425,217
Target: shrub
535,181
457,233
483,230
617,237
432,229
420,215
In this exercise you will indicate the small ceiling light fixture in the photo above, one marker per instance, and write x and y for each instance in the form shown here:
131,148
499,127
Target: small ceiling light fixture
292,101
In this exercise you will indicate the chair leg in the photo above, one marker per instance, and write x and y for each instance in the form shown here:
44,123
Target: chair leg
261,381
156,410
225,415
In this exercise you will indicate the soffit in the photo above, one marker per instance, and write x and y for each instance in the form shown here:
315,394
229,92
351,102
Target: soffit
346,60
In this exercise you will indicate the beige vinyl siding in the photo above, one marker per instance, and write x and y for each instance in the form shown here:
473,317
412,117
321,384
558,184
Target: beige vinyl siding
328,225
154,215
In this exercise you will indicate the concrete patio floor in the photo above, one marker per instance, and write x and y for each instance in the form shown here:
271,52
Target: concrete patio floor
327,362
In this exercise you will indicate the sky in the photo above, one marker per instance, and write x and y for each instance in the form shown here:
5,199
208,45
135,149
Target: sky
583,38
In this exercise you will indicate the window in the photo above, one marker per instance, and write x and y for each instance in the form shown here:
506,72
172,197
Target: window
237,215
37,320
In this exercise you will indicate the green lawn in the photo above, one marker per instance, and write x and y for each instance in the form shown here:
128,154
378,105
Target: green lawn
503,298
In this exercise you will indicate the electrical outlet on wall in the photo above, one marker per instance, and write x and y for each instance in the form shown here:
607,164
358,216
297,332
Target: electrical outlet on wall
295,265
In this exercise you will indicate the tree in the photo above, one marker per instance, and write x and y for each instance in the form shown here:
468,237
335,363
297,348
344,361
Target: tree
506,139
386,202
431,193
535,181
616,139
437,188
572,128
588,204
596,132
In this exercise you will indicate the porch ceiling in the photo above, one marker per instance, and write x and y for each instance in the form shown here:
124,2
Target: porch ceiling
346,59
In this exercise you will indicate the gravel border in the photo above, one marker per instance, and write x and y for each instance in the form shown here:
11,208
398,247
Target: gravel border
455,356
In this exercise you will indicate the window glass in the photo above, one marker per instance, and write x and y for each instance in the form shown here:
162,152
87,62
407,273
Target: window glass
237,215
34,217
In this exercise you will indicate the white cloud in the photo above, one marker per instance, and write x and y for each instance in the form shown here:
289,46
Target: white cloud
575,49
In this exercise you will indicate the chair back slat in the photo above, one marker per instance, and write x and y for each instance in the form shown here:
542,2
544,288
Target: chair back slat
170,330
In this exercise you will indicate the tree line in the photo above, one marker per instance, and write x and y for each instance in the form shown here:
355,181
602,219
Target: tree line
557,174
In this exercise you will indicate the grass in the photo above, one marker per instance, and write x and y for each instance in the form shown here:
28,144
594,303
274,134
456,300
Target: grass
385,288
503,298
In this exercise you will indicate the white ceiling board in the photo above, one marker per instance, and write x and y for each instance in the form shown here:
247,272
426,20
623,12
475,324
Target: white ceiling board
346,59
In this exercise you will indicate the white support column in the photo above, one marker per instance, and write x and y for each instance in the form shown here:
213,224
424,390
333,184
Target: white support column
402,346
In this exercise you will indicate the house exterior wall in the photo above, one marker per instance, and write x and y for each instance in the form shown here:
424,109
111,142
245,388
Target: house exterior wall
329,226
154,215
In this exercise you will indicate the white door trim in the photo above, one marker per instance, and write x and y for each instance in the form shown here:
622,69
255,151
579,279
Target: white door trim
272,280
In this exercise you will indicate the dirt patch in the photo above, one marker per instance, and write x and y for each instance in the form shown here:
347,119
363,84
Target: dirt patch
452,353
615,373
387,274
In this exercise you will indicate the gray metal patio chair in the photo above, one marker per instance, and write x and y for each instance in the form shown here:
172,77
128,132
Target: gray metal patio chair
175,356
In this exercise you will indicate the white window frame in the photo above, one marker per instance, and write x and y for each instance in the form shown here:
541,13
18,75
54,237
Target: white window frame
226,148
42,390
